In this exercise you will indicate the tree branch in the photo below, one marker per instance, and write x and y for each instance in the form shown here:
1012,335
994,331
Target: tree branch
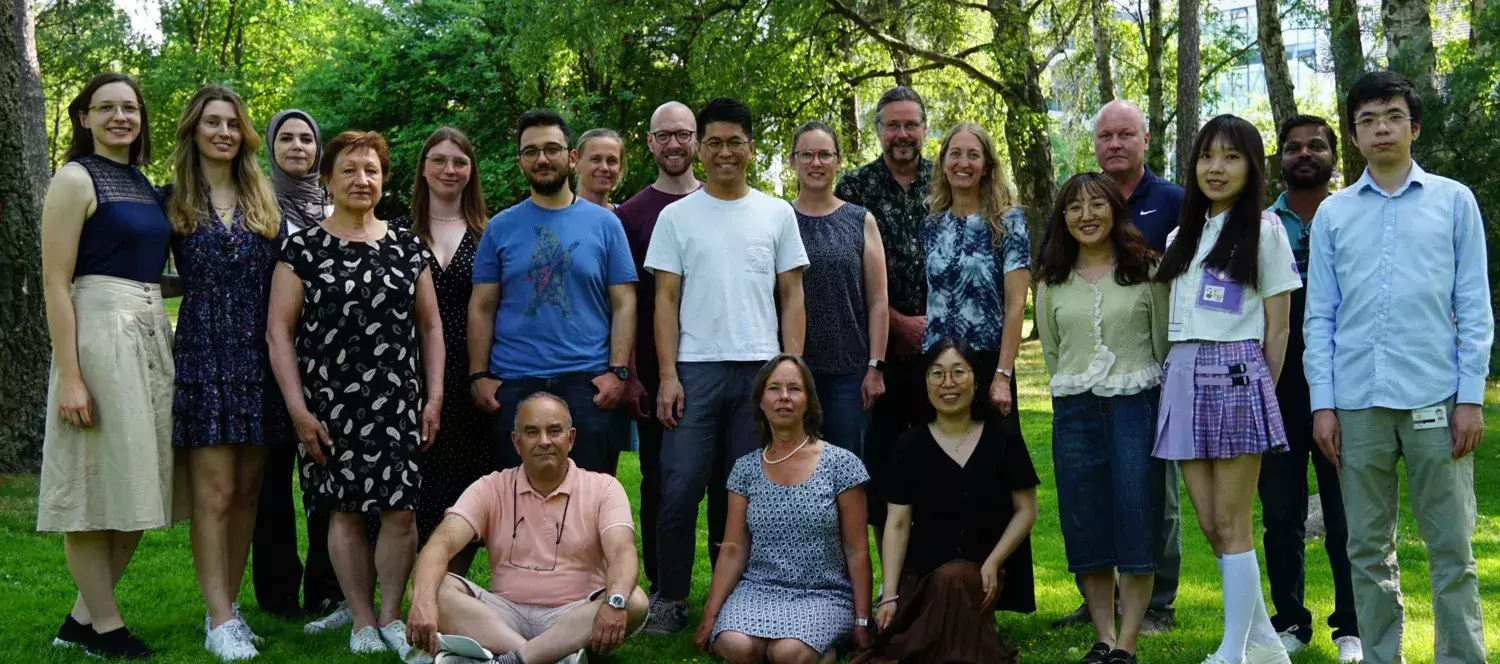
1062,42
902,45
1211,72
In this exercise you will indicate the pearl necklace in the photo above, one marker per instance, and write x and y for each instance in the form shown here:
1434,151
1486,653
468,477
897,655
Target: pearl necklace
769,462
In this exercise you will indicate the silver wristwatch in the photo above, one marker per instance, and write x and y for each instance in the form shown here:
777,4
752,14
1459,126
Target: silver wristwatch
861,622
1006,372
616,602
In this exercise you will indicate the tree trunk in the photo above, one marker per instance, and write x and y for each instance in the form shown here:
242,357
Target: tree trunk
1273,59
1026,137
1408,32
895,23
1103,11
1348,66
1156,106
849,105
1187,84
24,350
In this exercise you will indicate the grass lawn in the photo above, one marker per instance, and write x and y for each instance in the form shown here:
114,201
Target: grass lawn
160,600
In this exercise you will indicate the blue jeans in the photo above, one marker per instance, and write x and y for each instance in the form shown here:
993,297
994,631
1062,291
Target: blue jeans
575,389
717,427
844,416
1109,488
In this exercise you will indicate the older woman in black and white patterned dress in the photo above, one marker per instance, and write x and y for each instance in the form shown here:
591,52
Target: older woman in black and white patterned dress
793,576
353,315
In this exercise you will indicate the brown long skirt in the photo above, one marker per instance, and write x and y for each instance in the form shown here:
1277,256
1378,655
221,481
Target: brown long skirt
941,619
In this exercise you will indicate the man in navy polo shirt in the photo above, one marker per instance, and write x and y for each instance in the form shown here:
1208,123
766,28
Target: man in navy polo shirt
1120,139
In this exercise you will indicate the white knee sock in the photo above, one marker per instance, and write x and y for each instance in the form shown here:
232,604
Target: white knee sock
1241,587
1261,629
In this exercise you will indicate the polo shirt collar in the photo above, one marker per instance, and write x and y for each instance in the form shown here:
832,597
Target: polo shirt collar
1280,207
1144,186
1417,176
569,483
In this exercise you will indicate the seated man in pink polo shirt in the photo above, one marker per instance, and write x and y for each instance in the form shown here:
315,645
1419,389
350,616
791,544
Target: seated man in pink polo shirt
562,556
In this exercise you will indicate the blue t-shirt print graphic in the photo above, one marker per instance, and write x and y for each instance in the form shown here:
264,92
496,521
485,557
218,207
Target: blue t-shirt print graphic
554,269
550,264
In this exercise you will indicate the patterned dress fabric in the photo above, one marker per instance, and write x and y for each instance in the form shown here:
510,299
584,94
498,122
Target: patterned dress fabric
358,351
226,394
898,214
966,275
796,584
838,338
463,451
1218,402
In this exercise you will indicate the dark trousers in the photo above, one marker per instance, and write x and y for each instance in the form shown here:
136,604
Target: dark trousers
903,406
717,427
649,432
575,389
278,572
1283,498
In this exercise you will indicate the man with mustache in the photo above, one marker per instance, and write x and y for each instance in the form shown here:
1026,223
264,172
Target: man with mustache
1309,150
553,307
673,142
894,188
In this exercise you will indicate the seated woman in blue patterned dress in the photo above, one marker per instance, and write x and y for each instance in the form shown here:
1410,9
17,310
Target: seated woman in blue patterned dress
793,576
978,261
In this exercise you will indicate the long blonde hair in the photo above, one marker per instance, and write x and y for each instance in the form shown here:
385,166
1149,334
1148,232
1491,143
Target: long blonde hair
994,187
255,197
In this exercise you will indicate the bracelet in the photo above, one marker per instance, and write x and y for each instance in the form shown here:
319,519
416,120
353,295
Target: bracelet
884,602
479,374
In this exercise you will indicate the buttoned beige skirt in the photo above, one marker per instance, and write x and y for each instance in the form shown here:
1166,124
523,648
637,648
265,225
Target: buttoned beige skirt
121,474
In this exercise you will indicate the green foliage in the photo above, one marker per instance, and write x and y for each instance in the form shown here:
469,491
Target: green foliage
77,39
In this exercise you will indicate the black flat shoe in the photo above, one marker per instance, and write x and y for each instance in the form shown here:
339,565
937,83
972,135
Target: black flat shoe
118,644
1119,657
1096,655
73,634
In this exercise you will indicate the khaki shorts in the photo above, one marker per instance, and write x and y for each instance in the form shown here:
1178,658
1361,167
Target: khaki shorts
528,620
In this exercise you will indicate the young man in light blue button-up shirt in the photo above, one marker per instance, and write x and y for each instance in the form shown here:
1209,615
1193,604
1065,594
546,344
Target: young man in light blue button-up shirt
1398,329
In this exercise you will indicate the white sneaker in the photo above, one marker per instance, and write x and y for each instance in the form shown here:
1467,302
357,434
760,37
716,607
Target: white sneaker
1350,649
208,623
339,619
394,636
1261,653
1290,641
230,642
366,641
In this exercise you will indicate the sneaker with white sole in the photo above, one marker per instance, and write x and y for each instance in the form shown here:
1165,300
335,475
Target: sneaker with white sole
394,636
366,641
208,623
1291,641
230,642
1351,649
1264,653
339,619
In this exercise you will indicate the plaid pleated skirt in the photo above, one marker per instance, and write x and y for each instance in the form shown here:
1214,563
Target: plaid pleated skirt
1218,402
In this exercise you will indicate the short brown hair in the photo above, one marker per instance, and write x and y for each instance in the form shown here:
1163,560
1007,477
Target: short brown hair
357,141
812,420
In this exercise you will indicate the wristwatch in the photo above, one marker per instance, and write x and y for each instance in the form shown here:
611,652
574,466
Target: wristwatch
861,622
878,365
479,374
1006,372
622,372
615,602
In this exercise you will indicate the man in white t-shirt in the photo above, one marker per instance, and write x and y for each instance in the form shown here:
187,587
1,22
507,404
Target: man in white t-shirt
722,257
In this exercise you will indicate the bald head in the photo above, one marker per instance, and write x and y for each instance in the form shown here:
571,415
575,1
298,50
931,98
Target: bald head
1120,139
673,138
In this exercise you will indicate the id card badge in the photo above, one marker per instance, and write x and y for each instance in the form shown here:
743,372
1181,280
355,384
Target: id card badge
1435,417
1220,294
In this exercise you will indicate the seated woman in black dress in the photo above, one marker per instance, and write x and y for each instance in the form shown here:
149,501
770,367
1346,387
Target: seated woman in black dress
962,503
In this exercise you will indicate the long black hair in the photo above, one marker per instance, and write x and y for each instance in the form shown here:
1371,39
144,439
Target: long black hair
1236,251
1133,260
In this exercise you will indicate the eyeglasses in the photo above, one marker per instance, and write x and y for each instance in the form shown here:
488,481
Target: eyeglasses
893,127
716,145
1394,119
821,156
552,151
109,110
665,137
515,527
960,376
440,162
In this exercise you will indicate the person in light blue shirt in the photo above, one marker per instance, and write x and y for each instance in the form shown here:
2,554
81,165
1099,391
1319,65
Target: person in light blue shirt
1398,330
553,306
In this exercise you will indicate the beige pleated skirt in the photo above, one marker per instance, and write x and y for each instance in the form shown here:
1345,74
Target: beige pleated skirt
121,474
